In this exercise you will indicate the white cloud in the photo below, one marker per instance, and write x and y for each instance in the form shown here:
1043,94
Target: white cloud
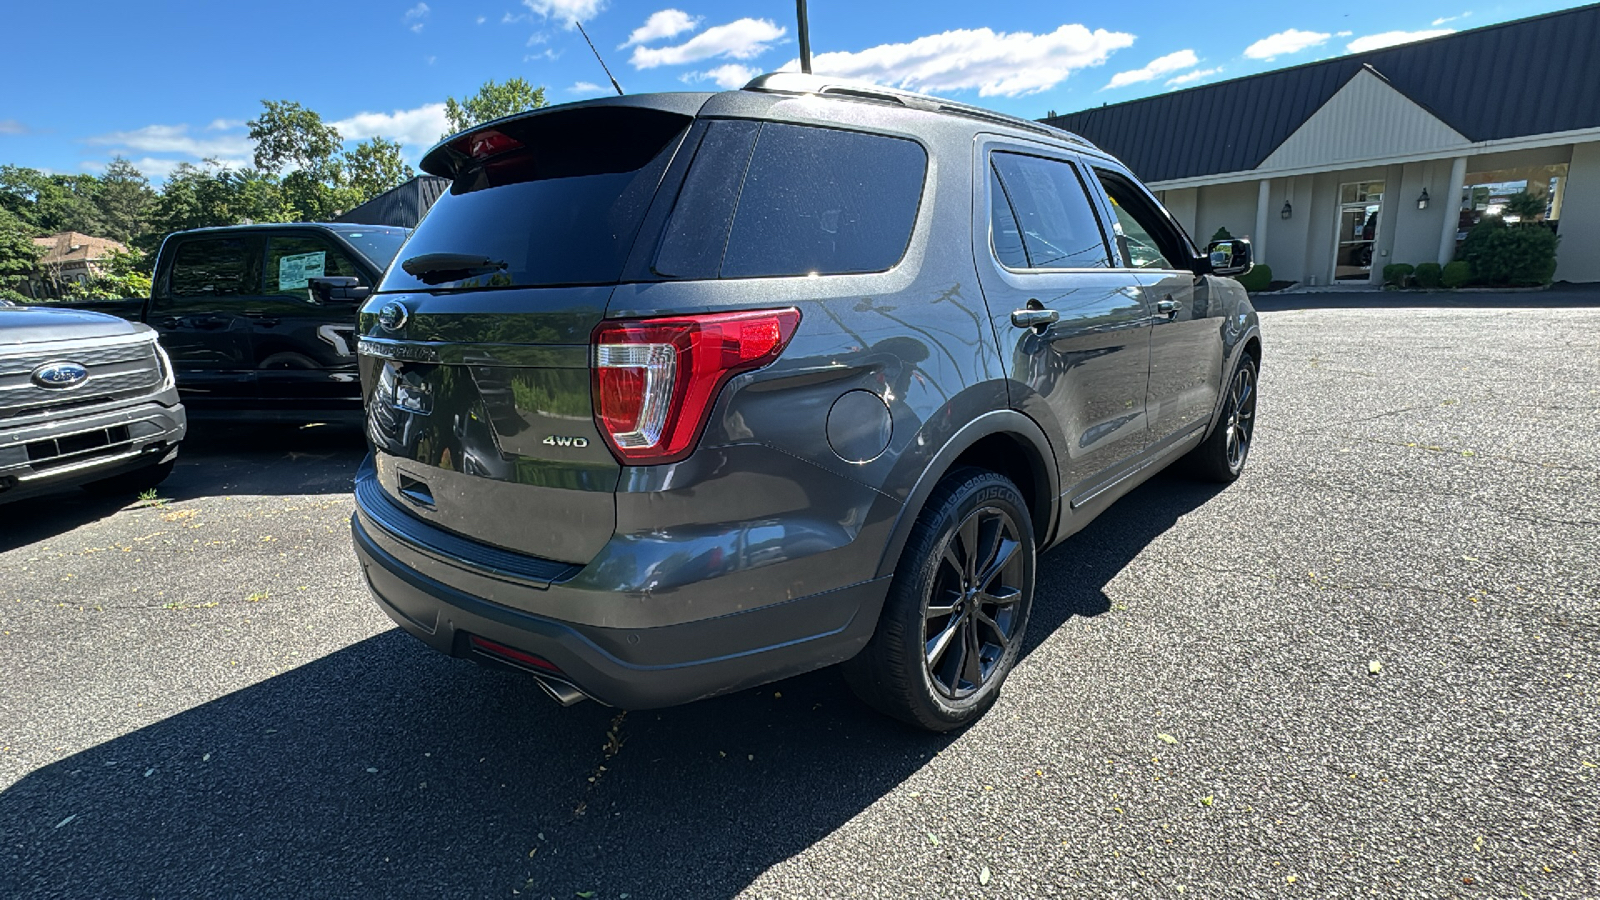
1391,38
1343,33
415,17
994,63
482,19
1443,19
741,39
1166,65
226,124
175,139
1285,43
12,126
416,129
564,11
729,77
1192,77
662,24
585,87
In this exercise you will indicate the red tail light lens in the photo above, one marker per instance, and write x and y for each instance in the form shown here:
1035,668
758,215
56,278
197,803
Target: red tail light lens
484,144
655,380
511,654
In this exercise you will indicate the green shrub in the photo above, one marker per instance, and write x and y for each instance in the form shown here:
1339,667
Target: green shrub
1397,274
1522,254
1222,235
1455,274
1259,278
1427,275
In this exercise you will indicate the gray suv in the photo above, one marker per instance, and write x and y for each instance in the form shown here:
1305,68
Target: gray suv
677,394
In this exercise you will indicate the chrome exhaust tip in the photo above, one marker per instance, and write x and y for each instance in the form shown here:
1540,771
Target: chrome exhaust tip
560,691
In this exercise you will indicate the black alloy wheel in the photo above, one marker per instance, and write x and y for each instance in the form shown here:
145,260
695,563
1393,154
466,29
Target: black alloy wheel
971,616
956,614
1222,455
1240,417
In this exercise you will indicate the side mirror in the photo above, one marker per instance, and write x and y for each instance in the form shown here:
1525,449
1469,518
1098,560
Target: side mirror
340,288
1230,257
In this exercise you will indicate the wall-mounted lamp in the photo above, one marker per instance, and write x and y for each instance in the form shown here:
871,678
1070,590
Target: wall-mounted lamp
1287,210
1422,201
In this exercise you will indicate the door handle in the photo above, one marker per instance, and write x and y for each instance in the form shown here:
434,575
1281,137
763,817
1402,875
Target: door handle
1168,306
1034,318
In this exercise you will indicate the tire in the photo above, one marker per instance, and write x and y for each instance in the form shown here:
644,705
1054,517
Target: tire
1222,455
974,622
135,482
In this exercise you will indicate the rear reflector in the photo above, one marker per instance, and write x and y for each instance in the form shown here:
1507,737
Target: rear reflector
510,654
655,380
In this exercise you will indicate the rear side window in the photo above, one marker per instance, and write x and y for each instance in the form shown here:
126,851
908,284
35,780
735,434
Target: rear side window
217,267
1049,213
802,201
561,206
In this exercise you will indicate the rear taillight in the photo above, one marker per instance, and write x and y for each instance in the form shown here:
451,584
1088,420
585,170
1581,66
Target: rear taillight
511,654
655,380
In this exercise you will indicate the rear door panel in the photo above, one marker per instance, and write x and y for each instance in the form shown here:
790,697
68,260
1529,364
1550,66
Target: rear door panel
1084,376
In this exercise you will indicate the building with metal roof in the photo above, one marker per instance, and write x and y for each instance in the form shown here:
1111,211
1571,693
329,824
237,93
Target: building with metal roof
403,205
1337,167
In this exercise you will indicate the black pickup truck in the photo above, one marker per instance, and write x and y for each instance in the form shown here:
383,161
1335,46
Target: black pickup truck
260,320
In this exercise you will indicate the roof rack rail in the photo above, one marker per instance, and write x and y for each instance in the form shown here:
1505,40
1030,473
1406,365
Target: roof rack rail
798,83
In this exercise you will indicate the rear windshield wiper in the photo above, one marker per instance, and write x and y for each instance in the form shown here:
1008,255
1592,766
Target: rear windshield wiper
437,268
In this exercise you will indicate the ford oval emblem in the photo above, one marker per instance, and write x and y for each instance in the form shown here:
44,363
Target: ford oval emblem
393,316
60,375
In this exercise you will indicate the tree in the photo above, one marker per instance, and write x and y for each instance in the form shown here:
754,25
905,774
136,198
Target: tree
374,166
19,255
50,203
124,200
201,196
289,135
492,101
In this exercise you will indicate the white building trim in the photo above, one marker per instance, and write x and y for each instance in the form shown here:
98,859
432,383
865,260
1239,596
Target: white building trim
1479,148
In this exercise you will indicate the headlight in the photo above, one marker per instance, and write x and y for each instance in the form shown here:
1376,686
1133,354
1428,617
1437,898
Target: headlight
168,379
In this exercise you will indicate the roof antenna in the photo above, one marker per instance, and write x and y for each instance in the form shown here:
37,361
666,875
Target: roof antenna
597,55
805,36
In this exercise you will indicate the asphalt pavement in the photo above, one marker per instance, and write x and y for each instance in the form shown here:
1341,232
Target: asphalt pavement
1368,668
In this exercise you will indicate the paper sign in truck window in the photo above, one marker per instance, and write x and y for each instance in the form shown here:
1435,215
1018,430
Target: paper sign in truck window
297,270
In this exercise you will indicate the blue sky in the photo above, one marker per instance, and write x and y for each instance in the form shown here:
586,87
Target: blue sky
162,83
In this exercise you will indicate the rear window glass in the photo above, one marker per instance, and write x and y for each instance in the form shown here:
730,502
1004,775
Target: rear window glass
811,201
560,208
379,245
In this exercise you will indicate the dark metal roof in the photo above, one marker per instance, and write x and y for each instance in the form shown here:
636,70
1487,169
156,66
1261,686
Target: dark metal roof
1531,76
403,206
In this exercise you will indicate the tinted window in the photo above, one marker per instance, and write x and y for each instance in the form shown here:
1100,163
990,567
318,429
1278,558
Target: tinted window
379,245
1056,220
561,207
293,261
697,233
1143,235
1004,233
217,267
824,201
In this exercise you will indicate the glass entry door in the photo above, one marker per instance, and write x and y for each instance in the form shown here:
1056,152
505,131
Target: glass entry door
1359,207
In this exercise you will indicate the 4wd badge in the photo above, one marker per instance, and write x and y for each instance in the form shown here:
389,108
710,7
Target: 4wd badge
561,440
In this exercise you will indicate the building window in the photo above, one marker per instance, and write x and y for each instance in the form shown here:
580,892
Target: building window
1487,193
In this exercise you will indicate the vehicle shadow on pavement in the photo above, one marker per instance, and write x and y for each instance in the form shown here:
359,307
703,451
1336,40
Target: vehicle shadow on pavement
387,769
216,460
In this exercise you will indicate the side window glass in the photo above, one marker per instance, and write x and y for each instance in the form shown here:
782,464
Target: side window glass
216,267
293,261
1004,233
697,233
1057,225
1146,242
822,201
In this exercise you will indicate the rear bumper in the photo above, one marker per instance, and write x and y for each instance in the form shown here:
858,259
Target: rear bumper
633,668
89,447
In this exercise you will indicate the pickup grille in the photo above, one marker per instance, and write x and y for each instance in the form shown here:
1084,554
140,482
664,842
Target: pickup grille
73,448
118,369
